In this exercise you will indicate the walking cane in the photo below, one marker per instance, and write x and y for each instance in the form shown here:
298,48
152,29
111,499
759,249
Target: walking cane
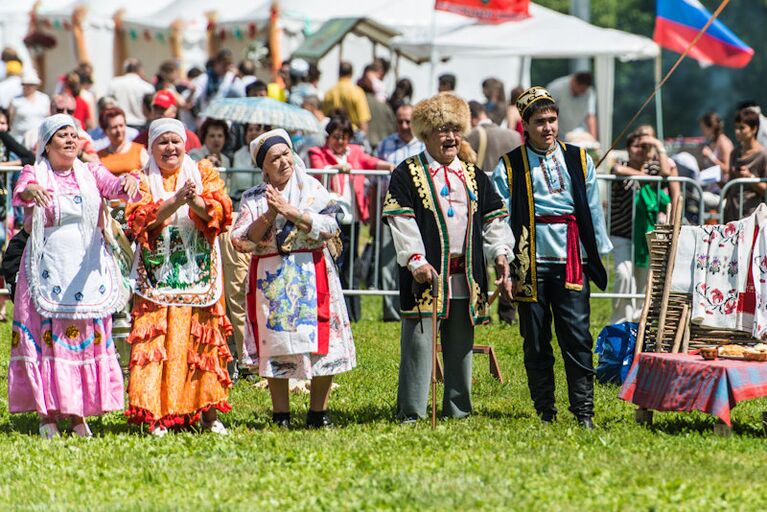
434,334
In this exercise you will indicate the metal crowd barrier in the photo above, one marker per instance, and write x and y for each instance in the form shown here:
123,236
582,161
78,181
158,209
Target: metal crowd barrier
689,188
741,184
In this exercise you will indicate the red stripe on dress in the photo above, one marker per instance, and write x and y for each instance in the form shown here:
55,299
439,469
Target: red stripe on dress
323,303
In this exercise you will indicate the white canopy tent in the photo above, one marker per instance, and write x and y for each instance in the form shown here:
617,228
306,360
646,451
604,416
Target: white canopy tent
546,34
413,18
98,32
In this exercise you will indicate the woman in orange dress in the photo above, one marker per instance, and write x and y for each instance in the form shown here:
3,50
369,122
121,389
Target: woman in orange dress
121,155
178,340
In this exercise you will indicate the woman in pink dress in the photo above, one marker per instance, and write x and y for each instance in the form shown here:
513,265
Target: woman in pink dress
63,361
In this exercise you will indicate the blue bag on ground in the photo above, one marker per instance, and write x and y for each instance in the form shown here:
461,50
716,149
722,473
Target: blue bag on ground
615,346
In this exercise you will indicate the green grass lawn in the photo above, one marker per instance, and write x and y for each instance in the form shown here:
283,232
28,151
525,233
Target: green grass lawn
500,458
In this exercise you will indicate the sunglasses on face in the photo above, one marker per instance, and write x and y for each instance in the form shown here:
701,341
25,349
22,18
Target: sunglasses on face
64,111
343,136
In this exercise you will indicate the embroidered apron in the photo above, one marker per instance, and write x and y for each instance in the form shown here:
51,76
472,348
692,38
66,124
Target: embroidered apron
71,279
179,272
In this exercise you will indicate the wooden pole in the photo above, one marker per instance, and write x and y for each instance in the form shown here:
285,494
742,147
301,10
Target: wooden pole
120,51
81,48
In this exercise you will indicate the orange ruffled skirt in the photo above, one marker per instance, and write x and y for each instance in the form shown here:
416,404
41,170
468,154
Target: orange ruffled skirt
178,363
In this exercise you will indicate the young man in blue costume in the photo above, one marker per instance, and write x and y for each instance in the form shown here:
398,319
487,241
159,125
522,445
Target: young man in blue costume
551,191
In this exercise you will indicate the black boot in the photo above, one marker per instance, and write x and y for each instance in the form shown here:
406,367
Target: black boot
318,419
586,423
281,419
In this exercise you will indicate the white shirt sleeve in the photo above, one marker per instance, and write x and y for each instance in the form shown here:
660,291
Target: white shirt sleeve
407,241
323,226
497,240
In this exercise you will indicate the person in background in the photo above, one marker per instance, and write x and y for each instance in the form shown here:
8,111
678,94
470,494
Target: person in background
349,97
630,272
338,154
218,81
298,327
395,148
178,337
513,119
748,160
122,155
752,105
62,364
12,152
299,73
129,90
64,104
214,134
246,75
100,140
309,140
10,87
718,146
556,201
446,82
381,116
238,183
375,76
495,100
577,103
28,110
402,95
87,91
257,89
489,140
164,107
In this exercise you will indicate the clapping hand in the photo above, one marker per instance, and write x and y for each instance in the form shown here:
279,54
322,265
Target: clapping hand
186,193
276,201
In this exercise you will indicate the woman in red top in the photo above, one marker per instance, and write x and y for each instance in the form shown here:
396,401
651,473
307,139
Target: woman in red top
337,153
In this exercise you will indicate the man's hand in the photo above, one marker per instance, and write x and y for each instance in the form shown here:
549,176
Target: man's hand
424,273
503,281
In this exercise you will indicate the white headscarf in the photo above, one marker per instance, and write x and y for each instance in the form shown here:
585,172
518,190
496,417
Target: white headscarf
180,219
51,125
258,142
165,125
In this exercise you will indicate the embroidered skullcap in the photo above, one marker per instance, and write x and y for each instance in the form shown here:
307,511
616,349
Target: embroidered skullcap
442,109
51,125
261,144
165,125
530,96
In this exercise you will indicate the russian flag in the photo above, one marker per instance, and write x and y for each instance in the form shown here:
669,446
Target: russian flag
679,21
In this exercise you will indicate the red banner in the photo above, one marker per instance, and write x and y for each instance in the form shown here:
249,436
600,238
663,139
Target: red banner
487,11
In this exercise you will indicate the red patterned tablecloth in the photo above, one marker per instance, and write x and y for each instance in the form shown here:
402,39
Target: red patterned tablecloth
686,382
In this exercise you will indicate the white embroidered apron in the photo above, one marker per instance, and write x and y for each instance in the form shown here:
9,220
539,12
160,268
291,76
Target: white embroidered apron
71,279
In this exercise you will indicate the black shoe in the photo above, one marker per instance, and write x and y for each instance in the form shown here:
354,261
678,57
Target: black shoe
548,417
281,419
318,419
586,423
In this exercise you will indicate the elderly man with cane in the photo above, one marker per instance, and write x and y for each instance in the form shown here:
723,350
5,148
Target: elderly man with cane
559,227
446,220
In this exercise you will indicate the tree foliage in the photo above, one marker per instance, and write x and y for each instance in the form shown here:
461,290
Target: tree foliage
692,89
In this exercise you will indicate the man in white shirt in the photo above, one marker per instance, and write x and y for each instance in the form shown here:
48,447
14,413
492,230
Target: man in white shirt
129,90
10,86
577,103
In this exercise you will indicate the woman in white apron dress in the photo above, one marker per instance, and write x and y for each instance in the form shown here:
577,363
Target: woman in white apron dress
63,360
298,326
179,353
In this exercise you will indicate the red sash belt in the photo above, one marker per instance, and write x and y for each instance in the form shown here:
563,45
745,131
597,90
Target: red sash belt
574,266
457,265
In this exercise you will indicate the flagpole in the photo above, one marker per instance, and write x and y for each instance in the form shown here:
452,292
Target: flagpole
659,96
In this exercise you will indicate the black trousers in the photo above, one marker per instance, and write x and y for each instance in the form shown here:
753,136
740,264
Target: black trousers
570,311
